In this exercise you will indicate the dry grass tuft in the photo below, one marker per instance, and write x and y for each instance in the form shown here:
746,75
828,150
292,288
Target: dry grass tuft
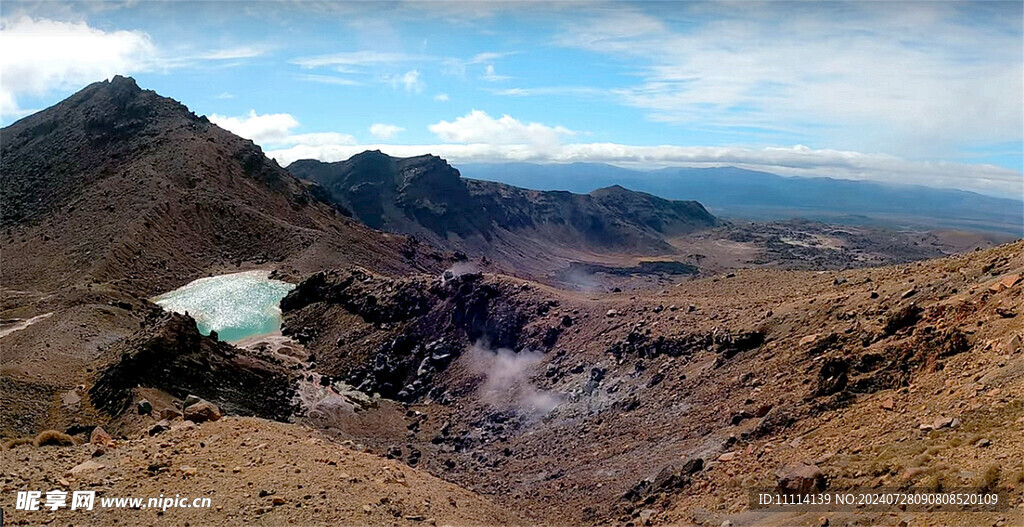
989,479
14,443
53,437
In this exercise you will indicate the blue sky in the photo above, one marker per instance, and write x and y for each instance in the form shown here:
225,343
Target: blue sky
924,92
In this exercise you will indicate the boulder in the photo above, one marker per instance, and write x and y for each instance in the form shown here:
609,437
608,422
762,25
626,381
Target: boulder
84,468
160,426
693,465
801,478
144,407
670,478
1006,282
777,418
71,398
202,411
1012,345
100,437
832,378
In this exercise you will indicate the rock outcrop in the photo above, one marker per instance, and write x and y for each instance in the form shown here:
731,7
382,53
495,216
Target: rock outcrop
170,355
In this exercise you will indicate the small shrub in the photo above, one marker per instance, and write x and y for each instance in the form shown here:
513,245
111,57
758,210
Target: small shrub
53,437
1015,478
989,479
936,482
919,461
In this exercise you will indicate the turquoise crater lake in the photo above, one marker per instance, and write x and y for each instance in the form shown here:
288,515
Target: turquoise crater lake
236,306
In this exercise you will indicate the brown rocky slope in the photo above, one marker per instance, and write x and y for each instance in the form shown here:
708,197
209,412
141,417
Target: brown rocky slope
909,375
254,472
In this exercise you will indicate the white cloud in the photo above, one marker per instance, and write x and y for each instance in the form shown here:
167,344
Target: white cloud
441,97
266,128
328,79
457,67
225,95
318,139
350,59
274,130
569,91
38,56
241,52
478,127
409,81
379,65
490,75
385,131
912,78
486,56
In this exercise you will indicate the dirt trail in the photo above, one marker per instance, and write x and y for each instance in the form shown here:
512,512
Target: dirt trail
18,325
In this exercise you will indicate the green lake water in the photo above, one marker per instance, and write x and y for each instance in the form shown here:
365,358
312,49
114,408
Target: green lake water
236,306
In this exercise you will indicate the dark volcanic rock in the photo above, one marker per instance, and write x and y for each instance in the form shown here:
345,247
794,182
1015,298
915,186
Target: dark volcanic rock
669,479
430,322
359,293
775,420
832,377
640,345
902,318
730,344
172,356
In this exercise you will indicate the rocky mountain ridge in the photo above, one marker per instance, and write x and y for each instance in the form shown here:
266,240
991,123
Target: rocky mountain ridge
426,197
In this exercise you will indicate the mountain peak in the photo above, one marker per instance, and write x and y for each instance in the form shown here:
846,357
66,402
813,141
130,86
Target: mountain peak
117,89
123,82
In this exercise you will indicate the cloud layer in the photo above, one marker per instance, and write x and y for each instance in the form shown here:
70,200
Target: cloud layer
478,137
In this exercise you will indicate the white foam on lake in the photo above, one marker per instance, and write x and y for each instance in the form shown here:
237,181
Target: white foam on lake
236,306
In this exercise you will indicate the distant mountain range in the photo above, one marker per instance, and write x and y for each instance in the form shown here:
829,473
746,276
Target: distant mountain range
738,193
426,197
